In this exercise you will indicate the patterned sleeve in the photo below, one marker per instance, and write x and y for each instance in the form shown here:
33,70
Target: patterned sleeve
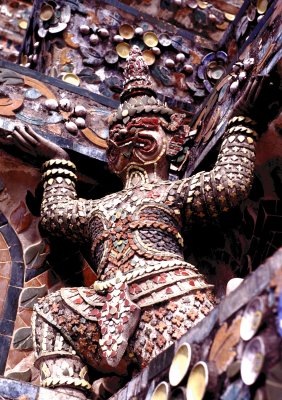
62,213
229,182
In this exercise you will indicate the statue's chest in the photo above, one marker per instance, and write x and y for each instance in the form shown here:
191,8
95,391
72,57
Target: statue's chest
131,223
117,213
117,207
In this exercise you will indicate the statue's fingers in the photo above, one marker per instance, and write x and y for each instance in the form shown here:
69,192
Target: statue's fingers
19,129
32,133
256,88
16,129
241,104
26,136
14,133
20,141
247,92
20,146
249,88
260,83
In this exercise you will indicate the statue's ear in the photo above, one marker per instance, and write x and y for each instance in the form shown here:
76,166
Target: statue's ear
177,140
175,144
177,131
176,122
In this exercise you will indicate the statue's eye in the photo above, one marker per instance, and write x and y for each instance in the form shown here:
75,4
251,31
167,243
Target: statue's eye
122,134
113,151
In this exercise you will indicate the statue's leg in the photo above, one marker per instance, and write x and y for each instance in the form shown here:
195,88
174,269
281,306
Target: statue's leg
60,367
163,323
59,359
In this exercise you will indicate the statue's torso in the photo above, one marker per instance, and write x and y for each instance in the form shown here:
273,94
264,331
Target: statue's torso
136,227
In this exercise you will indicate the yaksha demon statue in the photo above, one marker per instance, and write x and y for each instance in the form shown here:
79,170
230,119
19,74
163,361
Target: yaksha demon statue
146,295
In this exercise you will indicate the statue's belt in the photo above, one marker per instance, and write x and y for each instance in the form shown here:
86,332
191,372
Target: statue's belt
141,272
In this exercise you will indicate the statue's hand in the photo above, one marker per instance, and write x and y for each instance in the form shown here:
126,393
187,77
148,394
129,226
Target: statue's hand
249,104
261,100
30,142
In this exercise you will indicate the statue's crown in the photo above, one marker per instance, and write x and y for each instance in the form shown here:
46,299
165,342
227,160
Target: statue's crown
138,95
136,74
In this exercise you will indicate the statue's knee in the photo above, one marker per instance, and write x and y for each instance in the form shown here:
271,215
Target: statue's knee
60,366
47,303
64,371
45,328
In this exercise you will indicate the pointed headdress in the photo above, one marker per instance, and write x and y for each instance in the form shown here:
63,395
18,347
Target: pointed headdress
138,96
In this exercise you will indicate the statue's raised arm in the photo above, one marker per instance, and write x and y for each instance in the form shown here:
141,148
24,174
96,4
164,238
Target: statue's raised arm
62,213
210,193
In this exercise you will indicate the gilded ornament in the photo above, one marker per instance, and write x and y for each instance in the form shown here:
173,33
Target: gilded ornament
262,6
150,39
180,364
252,360
123,49
126,31
46,12
162,392
252,318
198,381
149,57
23,24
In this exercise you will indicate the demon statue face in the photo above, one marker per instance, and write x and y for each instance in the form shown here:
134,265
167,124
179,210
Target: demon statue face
143,128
